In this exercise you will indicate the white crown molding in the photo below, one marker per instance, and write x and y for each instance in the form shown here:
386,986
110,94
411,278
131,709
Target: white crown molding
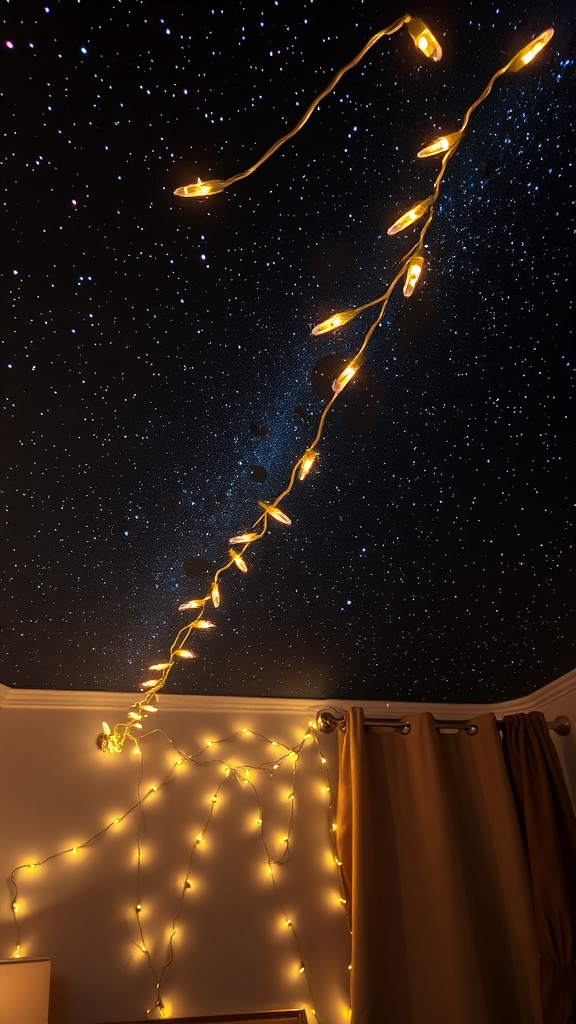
46,700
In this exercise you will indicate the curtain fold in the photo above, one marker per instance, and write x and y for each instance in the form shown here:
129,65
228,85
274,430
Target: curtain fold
549,832
436,877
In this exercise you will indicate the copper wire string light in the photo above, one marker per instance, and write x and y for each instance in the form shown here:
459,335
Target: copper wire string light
424,41
410,269
213,754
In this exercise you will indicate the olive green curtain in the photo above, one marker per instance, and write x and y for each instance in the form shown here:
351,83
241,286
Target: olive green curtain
549,832
436,877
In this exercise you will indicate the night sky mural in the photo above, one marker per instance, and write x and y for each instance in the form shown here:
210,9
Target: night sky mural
160,375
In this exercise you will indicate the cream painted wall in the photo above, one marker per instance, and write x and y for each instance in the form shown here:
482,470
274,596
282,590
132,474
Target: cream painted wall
233,950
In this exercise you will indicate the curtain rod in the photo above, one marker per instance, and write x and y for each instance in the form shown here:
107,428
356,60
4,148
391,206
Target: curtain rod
327,722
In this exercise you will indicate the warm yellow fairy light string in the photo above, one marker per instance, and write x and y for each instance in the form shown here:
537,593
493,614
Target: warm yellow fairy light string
424,42
281,755
411,265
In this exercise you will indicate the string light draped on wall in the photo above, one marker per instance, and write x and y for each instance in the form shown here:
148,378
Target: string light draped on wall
244,762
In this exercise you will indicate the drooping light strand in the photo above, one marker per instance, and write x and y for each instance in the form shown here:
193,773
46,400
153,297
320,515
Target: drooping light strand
425,43
113,741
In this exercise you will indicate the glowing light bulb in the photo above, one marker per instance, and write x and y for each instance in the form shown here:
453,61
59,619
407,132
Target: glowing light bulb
202,624
424,40
345,377
159,667
322,760
276,514
441,145
413,275
135,715
200,189
528,53
195,603
138,908
307,462
243,538
408,218
215,594
149,707
148,683
334,321
238,560
18,952
301,969
15,908
184,653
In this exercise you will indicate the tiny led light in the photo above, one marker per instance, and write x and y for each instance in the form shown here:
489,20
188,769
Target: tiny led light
439,146
424,40
345,377
238,560
413,275
276,513
408,218
215,594
243,538
184,653
334,321
194,603
199,189
528,53
307,462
